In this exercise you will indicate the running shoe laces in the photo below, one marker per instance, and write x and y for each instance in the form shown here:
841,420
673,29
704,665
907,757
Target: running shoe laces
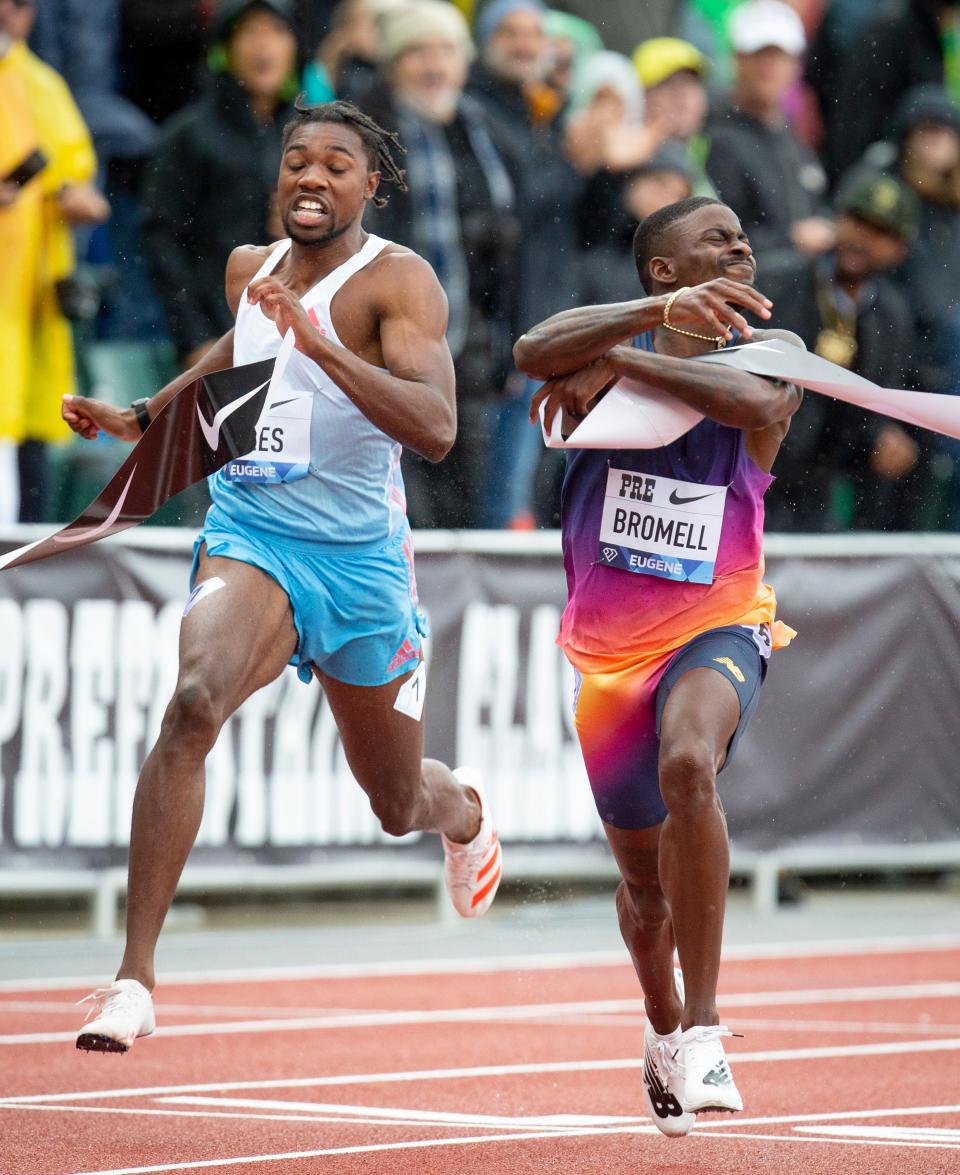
707,1082
662,1078
117,1015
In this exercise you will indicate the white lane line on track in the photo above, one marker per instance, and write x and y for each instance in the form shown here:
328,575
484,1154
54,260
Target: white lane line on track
165,1009
884,1048
886,1027
374,1148
371,1114
947,1146
519,1012
240,1116
904,1133
817,948
829,1116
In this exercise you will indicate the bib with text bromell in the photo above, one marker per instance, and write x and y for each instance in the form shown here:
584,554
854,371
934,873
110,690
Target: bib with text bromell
282,451
658,526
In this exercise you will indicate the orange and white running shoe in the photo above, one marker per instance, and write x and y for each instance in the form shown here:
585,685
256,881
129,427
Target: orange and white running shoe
122,1012
472,870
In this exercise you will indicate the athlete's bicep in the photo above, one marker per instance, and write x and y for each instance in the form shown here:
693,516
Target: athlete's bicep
413,323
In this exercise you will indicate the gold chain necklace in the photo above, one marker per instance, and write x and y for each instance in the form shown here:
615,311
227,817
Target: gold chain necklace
718,340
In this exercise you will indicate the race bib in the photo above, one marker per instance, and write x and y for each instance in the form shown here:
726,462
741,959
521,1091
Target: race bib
658,526
282,452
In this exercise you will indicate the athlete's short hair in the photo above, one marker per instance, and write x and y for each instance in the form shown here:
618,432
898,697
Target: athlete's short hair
378,142
650,238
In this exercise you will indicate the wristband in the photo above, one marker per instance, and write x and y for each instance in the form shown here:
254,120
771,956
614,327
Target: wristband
142,414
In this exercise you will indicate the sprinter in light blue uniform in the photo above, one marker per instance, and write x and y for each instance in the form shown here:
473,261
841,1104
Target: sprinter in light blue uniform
305,556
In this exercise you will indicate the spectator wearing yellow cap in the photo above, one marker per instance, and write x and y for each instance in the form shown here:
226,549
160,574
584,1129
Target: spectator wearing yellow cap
756,162
673,74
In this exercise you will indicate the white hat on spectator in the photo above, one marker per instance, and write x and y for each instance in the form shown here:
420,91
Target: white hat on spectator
408,24
765,24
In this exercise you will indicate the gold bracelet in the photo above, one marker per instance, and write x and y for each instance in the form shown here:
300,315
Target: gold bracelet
718,340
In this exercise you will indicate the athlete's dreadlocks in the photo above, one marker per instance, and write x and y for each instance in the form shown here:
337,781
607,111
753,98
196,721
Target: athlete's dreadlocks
378,142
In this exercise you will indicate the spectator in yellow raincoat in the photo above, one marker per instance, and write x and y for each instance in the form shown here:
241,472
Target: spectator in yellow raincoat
36,243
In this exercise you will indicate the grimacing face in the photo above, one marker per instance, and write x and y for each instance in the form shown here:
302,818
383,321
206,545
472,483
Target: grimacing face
325,181
707,244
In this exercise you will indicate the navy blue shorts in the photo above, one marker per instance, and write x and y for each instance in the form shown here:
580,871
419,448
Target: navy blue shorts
618,718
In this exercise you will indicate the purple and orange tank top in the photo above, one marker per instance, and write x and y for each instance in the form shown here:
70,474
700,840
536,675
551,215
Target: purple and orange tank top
660,545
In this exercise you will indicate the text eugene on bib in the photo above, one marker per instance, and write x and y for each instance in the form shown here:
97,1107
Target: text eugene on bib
658,526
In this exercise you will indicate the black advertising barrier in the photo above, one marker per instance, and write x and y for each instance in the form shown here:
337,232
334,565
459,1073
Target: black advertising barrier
854,741
210,422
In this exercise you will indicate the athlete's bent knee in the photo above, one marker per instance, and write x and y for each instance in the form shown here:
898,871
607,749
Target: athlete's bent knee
192,718
688,778
642,908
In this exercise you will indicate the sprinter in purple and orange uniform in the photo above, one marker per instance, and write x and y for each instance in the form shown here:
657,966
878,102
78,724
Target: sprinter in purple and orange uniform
669,624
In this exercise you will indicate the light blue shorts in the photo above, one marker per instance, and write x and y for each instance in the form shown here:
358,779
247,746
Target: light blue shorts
356,613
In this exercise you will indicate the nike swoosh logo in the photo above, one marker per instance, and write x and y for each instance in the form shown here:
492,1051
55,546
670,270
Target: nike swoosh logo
88,533
280,403
211,432
678,501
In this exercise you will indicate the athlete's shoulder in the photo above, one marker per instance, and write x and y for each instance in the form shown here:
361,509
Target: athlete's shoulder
402,278
777,332
401,264
242,264
245,257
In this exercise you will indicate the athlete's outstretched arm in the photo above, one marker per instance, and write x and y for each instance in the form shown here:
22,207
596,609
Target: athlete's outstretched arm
414,400
90,417
574,338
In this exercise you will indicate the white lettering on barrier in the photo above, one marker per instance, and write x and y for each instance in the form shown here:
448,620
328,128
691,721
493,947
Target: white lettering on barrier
295,790
93,676
88,698
523,746
40,785
137,650
11,682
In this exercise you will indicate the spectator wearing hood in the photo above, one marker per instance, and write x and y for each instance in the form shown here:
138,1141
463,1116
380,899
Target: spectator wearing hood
756,162
571,41
458,214
605,113
528,117
846,309
925,153
210,182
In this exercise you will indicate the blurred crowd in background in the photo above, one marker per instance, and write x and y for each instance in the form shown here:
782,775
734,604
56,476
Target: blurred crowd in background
140,142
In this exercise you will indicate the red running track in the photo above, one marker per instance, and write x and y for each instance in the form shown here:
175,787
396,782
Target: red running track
848,1063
